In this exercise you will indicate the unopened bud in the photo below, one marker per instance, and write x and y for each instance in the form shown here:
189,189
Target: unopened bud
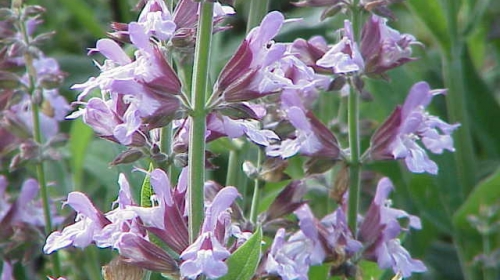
341,184
331,11
29,150
181,160
127,156
57,140
117,269
273,170
9,80
338,83
250,170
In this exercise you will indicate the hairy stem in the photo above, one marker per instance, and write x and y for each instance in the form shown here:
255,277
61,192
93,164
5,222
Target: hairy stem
198,119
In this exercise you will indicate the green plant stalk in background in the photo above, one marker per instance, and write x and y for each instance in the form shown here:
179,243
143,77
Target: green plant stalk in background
36,98
354,141
258,10
196,155
464,155
354,162
256,188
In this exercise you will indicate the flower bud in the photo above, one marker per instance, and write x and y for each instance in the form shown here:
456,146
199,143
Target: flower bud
128,156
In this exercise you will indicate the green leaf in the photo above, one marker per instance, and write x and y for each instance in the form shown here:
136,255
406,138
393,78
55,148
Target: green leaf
429,198
80,137
431,14
243,262
483,108
146,190
487,193
484,195
85,15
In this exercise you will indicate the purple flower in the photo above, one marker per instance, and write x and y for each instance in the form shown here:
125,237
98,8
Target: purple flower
233,128
250,74
207,254
91,225
344,57
156,20
340,240
141,252
379,231
143,92
384,48
7,271
88,222
291,259
398,135
310,52
288,259
287,201
166,218
26,210
311,137
104,118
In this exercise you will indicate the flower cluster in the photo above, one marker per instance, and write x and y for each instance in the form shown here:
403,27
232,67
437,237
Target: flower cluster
135,230
29,78
22,222
267,93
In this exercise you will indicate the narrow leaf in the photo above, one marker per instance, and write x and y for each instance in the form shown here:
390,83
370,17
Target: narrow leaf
146,189
431,14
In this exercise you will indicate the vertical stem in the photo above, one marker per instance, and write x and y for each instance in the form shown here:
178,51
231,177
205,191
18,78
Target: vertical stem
489,273
258,9
354,164
456,100
353,123
256,188
198,119
36,97
457,112
233,167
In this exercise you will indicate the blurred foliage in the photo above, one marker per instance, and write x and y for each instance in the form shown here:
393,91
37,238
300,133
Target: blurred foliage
444,212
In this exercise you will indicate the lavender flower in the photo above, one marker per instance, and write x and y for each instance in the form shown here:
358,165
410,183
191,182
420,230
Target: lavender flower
379,231
156,19
143,92
25,211
91,225
311,138
249,74
206,255
344,57
384,48
398,135
89,221
310,51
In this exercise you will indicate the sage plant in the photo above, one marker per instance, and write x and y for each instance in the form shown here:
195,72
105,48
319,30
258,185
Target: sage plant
266,93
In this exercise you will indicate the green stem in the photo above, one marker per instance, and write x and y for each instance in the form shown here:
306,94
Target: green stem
256,188
457,112
258,9
456,100
36,96
354,164
233,168
198,119
489,273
